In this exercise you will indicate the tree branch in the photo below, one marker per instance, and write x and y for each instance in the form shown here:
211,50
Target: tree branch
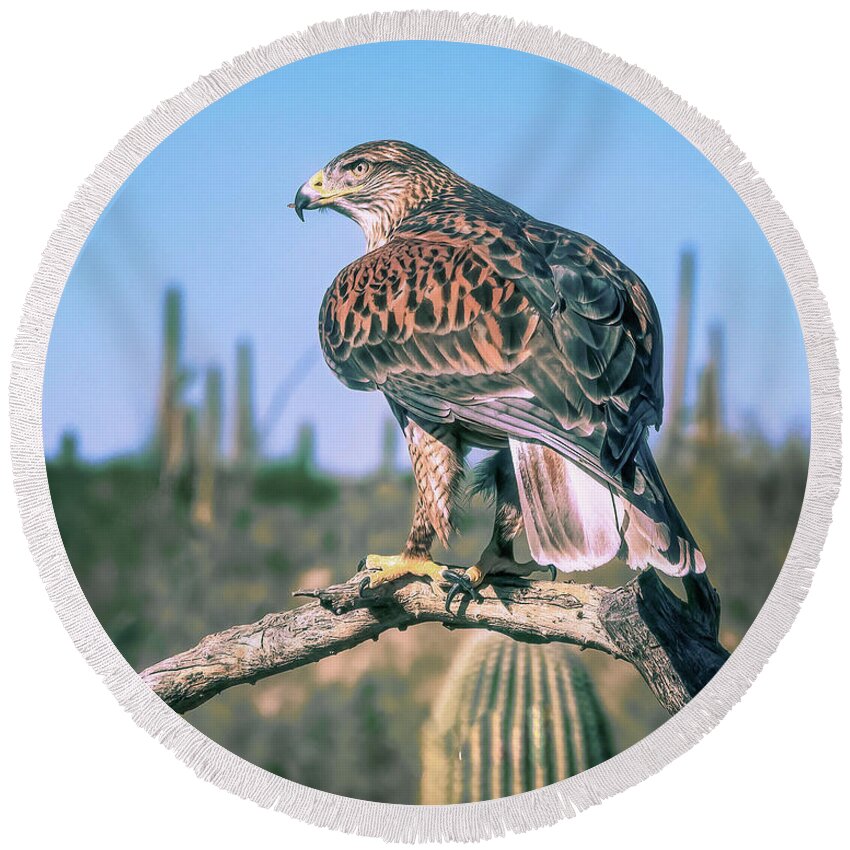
672,643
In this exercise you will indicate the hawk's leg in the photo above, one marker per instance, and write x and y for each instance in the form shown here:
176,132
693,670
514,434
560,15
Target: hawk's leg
415,558
497,477
437,466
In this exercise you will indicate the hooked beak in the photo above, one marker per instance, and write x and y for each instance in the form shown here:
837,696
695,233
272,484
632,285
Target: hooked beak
308,195
313,195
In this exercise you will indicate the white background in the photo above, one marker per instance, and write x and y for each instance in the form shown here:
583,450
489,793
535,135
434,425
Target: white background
77,76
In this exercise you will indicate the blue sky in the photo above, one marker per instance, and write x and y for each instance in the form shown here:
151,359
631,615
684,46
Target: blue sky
207,209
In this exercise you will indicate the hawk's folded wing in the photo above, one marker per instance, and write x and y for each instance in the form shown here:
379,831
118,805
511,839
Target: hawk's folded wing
608,329
466,330
423,308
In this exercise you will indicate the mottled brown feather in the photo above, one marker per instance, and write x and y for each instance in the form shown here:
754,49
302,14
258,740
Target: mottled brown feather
469,314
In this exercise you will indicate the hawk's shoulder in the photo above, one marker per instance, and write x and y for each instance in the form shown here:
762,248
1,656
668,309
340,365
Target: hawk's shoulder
488,227
412,305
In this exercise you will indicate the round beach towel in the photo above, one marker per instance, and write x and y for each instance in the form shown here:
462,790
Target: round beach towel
465,504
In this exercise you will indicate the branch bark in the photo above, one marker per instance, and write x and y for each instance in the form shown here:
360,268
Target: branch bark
672,643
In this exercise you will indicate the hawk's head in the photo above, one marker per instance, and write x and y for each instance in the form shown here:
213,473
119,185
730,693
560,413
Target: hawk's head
377,184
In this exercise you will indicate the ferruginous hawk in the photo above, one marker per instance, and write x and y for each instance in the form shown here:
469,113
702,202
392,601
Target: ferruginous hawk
485,327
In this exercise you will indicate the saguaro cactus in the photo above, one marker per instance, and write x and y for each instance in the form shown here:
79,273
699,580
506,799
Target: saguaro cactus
245,436
209,446
171,434
676,404
511,717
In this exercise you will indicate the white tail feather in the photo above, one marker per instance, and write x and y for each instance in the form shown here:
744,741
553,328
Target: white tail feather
576,523
569,517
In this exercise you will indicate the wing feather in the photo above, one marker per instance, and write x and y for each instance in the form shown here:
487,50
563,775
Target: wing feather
607,326
416,306
498,294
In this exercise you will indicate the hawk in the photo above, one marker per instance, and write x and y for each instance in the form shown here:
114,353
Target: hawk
484,327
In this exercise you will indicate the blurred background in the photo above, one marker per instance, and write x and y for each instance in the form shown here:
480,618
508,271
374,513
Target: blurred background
203,462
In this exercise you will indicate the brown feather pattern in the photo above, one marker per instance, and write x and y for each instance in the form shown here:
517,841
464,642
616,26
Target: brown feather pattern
437,469
480,321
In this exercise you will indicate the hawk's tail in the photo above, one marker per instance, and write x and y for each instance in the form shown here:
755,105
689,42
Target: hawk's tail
658,535
575,522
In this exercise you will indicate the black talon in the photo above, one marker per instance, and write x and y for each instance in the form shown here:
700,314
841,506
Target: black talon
364,584
553,571
453,591
459,584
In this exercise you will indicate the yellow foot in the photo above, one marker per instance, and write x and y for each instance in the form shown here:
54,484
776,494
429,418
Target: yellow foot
383,568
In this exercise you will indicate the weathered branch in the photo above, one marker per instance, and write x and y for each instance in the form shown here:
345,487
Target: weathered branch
673,644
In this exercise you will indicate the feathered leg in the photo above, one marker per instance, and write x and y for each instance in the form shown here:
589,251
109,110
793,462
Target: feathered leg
495,478
437,466
422,533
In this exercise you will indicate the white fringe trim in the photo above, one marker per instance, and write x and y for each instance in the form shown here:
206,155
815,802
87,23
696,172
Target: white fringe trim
396,822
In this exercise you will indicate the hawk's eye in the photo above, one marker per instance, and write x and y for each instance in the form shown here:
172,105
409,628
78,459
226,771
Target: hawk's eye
359,167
